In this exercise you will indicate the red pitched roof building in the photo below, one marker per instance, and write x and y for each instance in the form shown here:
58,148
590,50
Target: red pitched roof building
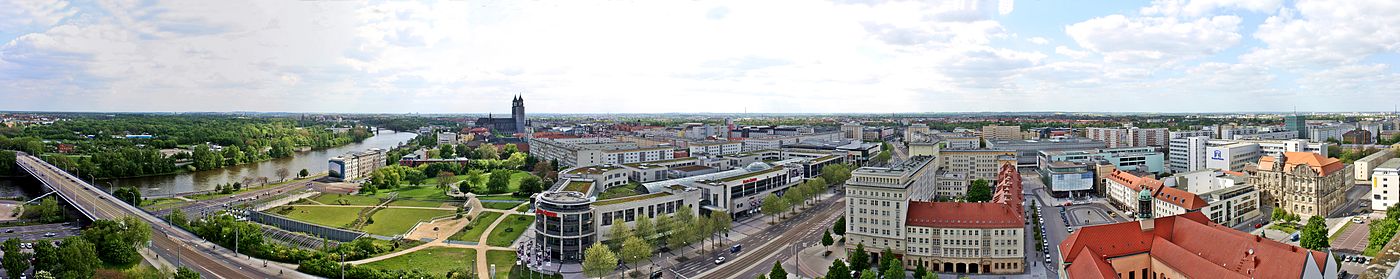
1303,183
1184,246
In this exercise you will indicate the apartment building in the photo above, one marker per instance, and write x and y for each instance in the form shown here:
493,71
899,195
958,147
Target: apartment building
1028,150
975,164
596,151
715,148
1364,166
1302,183
356,166
996,132
1129,136
852,131
877,202
1385,185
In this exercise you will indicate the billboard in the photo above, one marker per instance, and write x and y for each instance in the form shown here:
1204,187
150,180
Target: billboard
336,169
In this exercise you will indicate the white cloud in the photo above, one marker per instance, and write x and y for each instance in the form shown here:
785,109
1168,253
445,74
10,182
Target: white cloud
1155,39
1038,40
1198,8
1320,33
1076,54
36,14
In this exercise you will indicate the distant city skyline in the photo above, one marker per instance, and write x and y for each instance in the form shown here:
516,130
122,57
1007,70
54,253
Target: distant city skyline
572,57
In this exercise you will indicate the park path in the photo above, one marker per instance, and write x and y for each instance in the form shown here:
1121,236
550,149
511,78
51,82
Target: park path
480,247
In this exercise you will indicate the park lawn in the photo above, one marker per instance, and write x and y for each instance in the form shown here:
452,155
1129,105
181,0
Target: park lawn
416,203
213,195
510,229
504,260
501,205
502,197
334,199
1333,238
418,192
396,221
1285,227
330,216
432,260
473,231
162,203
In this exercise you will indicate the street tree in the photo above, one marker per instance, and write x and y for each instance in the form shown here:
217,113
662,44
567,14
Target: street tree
777,272
665,224
723,223
920,272
859,259
839,227
282,174
46,257
838,270
635,250
772,205
117,241
644,228
79,259
619,231
186,273
826,238
303,173
1314,235
598,260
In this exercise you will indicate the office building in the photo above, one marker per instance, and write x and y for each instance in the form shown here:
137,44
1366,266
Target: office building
1333,131
596,151
1296,123
975,164
1127,158
446,138
1302,183
1195,153
1189,134
1066,177
356,166
1184,246
1129,136
1187,154
1028,150
961,237
995,132
715,148
1365,165
1230,201
1232,157
916,132
852,131
778,141
1385,185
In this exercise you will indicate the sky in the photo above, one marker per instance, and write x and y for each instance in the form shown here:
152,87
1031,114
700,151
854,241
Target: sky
655,56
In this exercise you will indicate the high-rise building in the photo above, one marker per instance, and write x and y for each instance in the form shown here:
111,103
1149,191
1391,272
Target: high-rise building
1302,183
1297,123
1129,136
1385,185
852,131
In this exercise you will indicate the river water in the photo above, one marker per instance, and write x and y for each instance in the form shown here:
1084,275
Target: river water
313,161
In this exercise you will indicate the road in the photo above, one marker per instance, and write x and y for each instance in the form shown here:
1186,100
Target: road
212,206
1354,196
1054,223
164,238
760,249
37,232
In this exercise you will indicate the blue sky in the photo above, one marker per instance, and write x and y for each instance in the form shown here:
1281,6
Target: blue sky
699,56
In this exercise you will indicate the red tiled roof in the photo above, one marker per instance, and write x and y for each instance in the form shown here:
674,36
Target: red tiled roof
1003,211
1099,269
1321,165
1190,244
1181,198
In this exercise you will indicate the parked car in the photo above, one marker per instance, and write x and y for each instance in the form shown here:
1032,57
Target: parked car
1358,220
719,260
656,275
1259,225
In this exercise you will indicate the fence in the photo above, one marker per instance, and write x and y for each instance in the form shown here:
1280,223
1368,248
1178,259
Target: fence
303,227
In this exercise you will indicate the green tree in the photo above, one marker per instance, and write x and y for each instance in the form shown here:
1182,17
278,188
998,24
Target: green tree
487,152
683,228
979,191
920,272
619,230
447,151
598,260
838,270
47,211
446,180
177,217
826,238
117,242
303,173
777,272
635,250
79,259
499,182
129,195
868,275
1381,233
465,151
509,149
46,257
839,227
186,273
644,229
665,224
1314,235
772,206
43,274
722,222
529,186
1393,212
15,262
859,259
929,275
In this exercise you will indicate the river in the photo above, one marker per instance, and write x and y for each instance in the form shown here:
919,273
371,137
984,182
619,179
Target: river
313,161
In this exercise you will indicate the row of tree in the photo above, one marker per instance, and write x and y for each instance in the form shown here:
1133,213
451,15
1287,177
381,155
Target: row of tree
105,242
867,265
798,195
632,244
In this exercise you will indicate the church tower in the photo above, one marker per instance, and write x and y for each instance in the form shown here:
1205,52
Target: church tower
517,113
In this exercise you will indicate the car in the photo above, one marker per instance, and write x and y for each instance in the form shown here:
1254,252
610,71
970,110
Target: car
1069,229
1358,220
736,248
719,260
1259,225
9,231
50,234
656,275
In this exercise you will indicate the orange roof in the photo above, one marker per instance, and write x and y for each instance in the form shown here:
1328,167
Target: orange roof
1181,198
1190,244
1321,165
1003,211
1099,269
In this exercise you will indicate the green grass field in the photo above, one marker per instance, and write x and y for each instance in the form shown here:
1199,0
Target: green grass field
476,227
420,192
433,260
502,197
417,203
501,205
337,199
503,260
162,203
330,216
395,221
509,230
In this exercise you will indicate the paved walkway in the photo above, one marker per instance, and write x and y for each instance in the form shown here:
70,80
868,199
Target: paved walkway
453,226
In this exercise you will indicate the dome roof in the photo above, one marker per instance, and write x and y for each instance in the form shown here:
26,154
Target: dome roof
757,166
1144,194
